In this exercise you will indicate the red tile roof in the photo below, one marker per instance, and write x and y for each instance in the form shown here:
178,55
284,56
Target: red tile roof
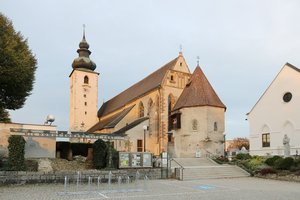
198,92
149,83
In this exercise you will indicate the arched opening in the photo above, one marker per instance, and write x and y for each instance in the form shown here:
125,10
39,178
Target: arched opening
141,110
194,125
86,80
215,126
171,103
150,106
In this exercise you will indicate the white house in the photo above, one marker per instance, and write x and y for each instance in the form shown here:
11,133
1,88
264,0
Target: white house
277,113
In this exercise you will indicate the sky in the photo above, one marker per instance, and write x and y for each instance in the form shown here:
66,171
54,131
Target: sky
242,45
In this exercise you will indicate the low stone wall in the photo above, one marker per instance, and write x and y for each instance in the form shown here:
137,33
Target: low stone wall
20,177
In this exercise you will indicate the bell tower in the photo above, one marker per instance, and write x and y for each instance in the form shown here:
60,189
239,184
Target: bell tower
83,90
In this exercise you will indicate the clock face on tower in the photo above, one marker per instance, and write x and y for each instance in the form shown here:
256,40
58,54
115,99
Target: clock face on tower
287,97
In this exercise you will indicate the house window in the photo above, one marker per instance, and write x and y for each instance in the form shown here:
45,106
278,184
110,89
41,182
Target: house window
86,80
141,110
180,64
266,140
85,103
85,112
215,126
139,145
84,95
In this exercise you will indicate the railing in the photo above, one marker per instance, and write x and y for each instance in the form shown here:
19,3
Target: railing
181,169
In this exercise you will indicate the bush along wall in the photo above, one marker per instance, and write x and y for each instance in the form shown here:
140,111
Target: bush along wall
101,153
16,153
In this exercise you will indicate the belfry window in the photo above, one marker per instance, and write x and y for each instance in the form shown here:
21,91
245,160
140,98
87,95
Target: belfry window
86,80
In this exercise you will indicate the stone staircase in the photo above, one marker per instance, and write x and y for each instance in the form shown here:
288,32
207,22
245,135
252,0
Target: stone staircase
204,168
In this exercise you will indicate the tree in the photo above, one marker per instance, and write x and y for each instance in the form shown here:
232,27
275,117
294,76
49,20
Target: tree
99,154
239,143
4,116
16,153
17,68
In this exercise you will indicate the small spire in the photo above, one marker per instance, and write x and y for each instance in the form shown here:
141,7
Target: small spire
198,58
83,31
180,49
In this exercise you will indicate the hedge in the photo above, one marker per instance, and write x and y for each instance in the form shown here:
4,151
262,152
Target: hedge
16,152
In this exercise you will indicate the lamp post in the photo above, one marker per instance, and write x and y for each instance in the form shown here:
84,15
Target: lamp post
145,127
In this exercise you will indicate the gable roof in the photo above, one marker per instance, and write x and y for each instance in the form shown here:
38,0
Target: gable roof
198,92
133,124
149,83
111,121
286,65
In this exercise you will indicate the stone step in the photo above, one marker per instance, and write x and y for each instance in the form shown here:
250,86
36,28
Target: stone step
211,172
187,162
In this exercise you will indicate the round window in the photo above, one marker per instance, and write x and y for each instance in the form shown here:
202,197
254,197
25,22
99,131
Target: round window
287,97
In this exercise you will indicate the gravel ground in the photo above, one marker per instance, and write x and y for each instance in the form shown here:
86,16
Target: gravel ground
212,189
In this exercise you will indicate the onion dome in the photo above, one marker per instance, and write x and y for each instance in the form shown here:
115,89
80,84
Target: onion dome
83,61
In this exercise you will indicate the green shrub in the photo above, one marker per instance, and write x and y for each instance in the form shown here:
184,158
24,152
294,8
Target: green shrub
243,156
115,158
297,162
16,152
284,163
271,161
99,154
268,170
254,163
32,165
221,160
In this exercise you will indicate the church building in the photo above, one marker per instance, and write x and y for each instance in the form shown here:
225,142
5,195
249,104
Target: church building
170,109
276,115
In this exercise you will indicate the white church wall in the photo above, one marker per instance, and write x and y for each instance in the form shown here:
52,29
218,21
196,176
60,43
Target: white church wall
278,116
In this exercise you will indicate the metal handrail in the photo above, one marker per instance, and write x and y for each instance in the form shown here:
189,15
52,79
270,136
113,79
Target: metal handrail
181,167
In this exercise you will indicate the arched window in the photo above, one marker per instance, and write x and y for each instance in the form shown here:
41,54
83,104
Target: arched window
141,110
150,105
171,103
194,125
215,126
86,80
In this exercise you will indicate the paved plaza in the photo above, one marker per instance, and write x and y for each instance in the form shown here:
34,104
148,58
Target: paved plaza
212,189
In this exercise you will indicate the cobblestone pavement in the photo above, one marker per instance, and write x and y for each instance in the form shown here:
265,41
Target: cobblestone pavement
212,189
